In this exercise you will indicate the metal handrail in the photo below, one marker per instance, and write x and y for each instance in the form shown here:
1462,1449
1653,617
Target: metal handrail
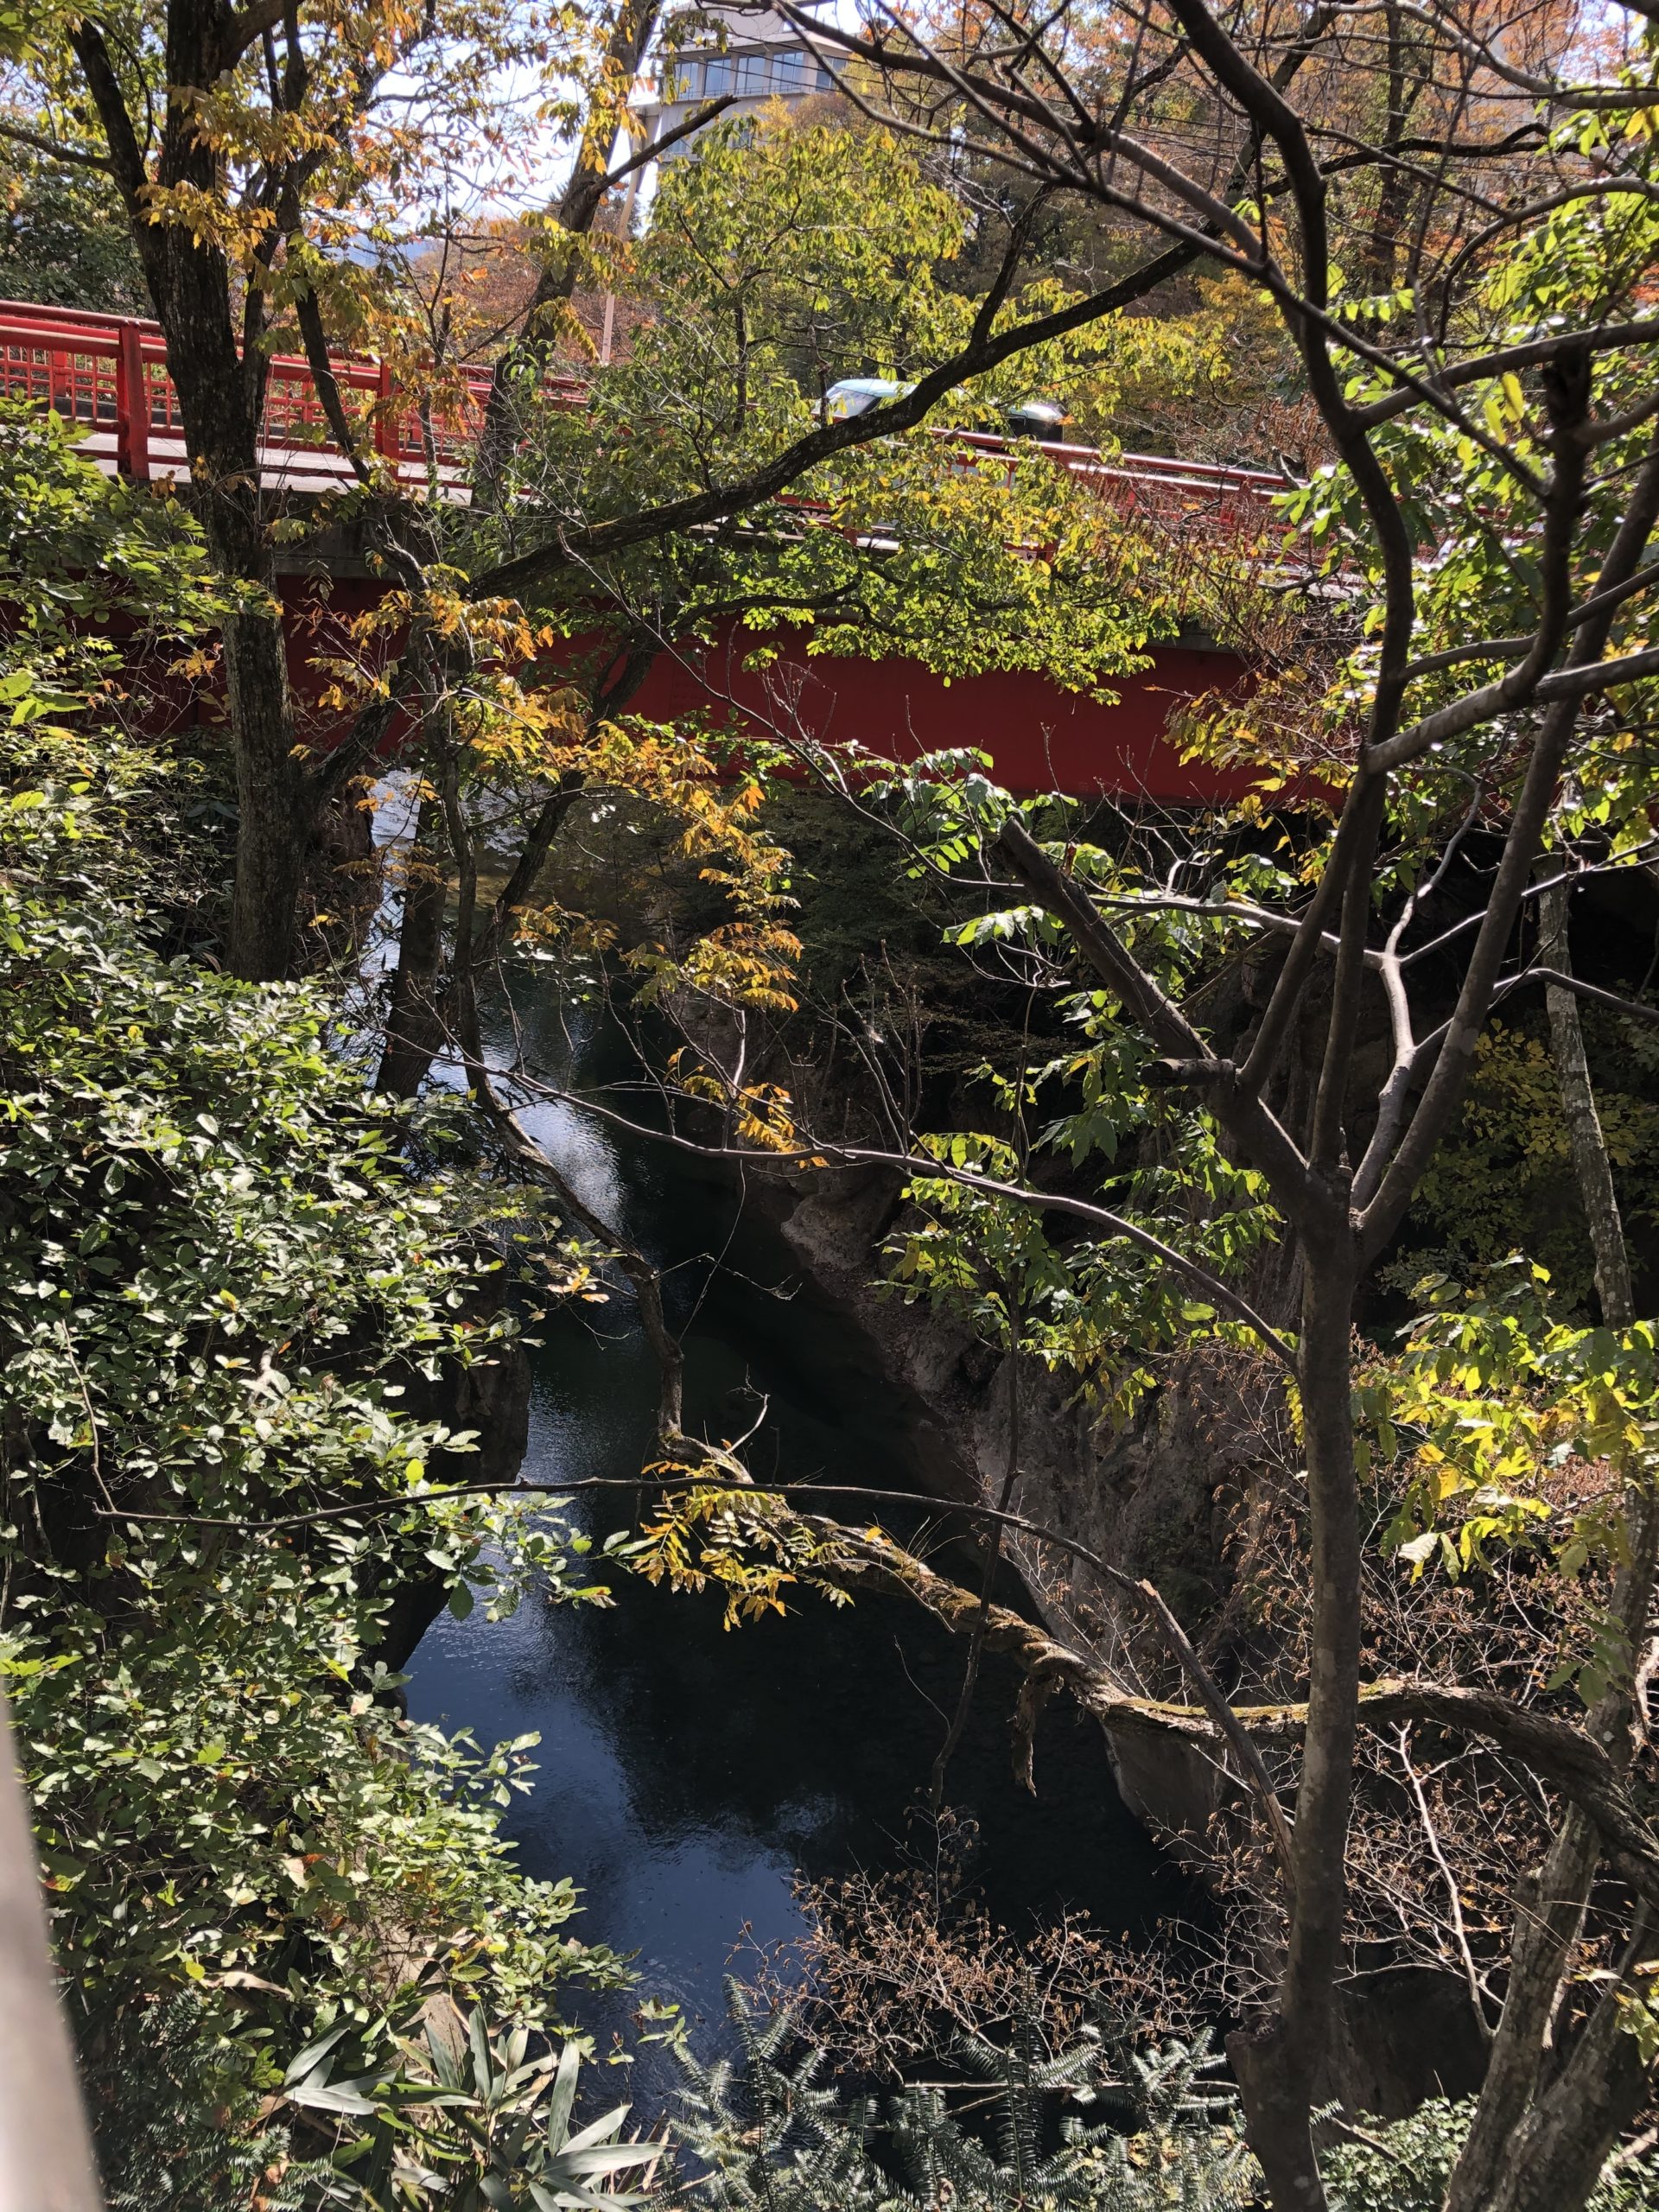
1216,474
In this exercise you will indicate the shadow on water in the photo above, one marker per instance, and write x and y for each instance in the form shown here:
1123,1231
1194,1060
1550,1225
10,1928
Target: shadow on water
685,1773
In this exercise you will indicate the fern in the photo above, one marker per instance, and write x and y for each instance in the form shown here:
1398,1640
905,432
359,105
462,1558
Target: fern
771,2139
165,2142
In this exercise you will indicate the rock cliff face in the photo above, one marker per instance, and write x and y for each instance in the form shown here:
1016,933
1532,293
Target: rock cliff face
1144,1499
1156,1499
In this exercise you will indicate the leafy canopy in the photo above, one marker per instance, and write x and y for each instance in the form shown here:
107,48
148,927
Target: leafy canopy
223,1278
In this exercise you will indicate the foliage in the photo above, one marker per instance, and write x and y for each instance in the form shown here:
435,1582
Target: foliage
469,2117
1490,1397
1495,1186
744,1543
1086,1302
1092,1305
1464,561
248,1366
1403,2166
174,2130
64,239
1182,2149
218,1274
463,2115
309,180
1237,394
509,725
219,1277
772,2137
98,581
769,2133
1467,489
780,259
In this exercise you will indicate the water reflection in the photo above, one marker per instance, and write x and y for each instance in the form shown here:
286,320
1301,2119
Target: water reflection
686,1772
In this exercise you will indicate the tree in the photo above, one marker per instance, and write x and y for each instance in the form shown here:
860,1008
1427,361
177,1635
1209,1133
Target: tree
1487,513
1476,593
63,239
779,260
1496,490
1494,399
248,149
283,138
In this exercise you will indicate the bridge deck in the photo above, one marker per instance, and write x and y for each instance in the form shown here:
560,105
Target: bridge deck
108,373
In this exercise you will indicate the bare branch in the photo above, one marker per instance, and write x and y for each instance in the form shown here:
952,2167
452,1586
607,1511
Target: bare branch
1237,1108
55,150
921,1164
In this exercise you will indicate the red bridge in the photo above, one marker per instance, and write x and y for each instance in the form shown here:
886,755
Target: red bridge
108,373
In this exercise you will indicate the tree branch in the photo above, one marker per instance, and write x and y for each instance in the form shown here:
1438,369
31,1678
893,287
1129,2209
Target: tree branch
1242,1114
923,1164
516,577
54,150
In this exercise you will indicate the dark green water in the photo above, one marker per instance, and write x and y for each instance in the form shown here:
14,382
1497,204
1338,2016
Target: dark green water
686,1773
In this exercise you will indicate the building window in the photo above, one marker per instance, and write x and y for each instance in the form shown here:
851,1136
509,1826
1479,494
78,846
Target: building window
790,75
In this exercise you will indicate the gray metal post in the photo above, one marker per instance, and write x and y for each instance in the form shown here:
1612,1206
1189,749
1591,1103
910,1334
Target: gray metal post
45,2157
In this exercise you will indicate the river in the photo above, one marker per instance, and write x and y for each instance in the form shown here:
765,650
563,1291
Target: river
685,1772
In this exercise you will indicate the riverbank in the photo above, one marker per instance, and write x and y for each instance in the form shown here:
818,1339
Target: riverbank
1159,1498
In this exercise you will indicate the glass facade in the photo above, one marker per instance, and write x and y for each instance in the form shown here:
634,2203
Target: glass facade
790,74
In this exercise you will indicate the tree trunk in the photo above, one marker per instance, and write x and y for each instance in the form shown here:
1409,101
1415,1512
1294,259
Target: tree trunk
1556,2155
220,374
433,1010
221,404
1381,254
461,1000
414,1020
1550,1914
270,831
1278,2067
1590,1164
958,1720
579,205
1527,2152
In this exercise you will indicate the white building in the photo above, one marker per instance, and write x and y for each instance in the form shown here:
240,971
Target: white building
751,57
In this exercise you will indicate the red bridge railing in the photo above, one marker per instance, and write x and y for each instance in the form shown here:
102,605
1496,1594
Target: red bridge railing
109,373
1207,493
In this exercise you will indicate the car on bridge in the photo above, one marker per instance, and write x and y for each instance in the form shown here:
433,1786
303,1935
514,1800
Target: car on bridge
1027,418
